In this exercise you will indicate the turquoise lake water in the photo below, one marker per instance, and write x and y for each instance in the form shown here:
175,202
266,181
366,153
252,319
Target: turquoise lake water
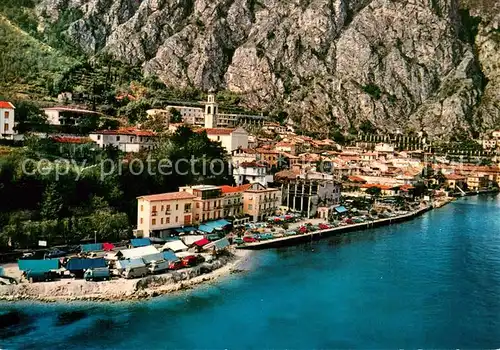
433,282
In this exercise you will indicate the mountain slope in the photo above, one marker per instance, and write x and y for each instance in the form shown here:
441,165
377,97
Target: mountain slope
26,64
409,65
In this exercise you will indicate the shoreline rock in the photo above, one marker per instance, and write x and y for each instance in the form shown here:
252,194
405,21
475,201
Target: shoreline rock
120,290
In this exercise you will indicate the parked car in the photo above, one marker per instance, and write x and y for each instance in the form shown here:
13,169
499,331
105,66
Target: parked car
135,272
176,265
249,239
55,253
97,274
323,226
158,266
192,260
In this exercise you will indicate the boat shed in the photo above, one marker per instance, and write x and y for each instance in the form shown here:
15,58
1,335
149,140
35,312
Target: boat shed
189,240
132,263
152,257
175,246
218,245
137,253
77,264
38,265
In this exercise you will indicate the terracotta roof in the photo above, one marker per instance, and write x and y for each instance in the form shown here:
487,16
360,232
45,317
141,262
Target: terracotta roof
126,131
71,139
231,189
382,187
6,105
356,179
219,131
168,196
454,177
251,165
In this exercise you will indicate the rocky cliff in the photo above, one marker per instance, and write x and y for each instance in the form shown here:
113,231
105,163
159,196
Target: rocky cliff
412,65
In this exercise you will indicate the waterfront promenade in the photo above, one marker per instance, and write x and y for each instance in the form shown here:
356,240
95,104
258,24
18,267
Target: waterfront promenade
320,234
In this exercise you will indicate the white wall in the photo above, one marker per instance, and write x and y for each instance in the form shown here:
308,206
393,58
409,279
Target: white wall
10,121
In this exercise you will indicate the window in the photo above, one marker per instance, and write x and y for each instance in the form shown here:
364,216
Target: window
203,217
162,208
154,208
6,115
198,205
142,220
167,220
218,138
161,221
187,207
176,219
142,207
168,207
98,137
118,138
177,207
6,127
250,207
153,221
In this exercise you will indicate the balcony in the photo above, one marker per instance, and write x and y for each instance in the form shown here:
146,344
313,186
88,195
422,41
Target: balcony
186,211
154,213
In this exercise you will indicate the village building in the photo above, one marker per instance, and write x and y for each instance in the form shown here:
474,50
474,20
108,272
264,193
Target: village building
125,139
476,182
251,172
260,202
454,182
230,139
68,115
207,202
287,147
232,202
242,155
306,195
7,120
211,117
160,212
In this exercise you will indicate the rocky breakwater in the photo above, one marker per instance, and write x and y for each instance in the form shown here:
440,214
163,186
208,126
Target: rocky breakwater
120,289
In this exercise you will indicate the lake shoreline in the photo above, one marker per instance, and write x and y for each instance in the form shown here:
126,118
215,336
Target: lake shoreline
123,290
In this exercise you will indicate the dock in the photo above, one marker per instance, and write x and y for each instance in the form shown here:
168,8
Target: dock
317,235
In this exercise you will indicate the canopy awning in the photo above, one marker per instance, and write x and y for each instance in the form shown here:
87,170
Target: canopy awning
91,247
340,209
206,228
202,242
169,256
140,242
218,245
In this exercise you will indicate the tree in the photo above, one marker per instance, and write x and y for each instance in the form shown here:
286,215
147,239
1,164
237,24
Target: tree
51,205
175,116
374,191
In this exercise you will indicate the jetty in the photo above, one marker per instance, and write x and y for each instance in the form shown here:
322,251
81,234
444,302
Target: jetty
320,234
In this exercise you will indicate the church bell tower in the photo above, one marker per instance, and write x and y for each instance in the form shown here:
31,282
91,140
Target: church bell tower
211,110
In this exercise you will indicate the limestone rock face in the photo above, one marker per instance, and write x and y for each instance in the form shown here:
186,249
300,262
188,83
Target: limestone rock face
403,65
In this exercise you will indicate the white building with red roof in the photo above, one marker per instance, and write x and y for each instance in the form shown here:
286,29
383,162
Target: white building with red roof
230,139
7,120
125,139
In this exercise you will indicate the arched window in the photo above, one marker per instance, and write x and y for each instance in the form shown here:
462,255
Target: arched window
209,109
